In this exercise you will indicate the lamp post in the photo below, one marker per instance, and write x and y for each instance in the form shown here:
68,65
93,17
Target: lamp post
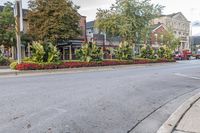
18,27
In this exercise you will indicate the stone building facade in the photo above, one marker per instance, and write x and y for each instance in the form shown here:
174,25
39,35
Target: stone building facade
180,26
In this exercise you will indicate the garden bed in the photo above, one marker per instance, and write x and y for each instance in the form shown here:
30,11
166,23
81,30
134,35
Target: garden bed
44,66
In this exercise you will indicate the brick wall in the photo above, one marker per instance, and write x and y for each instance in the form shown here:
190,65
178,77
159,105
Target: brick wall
160,31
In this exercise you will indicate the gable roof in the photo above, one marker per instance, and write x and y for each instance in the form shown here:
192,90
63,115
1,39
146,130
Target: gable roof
156,26
170,15
174,15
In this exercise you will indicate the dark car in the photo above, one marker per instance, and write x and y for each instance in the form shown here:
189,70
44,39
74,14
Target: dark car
198,55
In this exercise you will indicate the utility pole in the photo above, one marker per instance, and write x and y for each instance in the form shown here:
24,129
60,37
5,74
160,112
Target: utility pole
18,27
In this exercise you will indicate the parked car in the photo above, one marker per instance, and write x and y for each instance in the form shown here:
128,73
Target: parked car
182,55
187,54
197,55
178,55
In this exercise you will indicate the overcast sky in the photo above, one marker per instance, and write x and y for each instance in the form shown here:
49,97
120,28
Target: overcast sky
189,8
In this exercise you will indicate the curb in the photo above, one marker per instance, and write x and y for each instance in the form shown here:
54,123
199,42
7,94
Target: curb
4,67
8,73
174,119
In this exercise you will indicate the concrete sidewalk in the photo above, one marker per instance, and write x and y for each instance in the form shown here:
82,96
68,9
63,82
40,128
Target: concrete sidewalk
7,71
190,122
186,119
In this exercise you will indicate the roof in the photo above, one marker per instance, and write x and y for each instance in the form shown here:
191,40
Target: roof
155,26
90,24
175,14
170,15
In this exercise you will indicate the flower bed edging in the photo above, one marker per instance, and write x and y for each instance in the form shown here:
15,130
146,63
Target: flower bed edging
35,66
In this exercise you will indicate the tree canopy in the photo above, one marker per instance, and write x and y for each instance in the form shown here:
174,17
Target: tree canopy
50,20
127,18
170,40
7,25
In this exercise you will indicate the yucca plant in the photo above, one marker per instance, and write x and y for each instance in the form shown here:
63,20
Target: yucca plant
165,52
37,52
44,53
147,52
89,52
124,51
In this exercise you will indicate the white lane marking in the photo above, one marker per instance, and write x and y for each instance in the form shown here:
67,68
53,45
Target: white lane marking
187,76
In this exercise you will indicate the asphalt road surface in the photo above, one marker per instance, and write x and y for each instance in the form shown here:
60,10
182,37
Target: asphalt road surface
121,100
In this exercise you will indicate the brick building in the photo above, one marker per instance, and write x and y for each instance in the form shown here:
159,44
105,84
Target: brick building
156,35
180,26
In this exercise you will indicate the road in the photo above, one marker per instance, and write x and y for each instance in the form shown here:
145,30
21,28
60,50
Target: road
121,100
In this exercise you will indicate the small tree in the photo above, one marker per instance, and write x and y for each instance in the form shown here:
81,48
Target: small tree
171,40
124,51
89,52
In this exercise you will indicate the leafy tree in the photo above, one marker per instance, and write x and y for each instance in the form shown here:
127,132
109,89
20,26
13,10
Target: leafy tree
7,25
50,20
124,51
89,52
171,40
126,18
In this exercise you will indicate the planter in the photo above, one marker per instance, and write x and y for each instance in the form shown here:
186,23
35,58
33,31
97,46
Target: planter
37,66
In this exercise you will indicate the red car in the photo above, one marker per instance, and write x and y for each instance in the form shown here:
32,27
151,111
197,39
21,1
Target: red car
178,55
184,55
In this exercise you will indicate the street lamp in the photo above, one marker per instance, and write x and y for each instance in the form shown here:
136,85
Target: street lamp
19,27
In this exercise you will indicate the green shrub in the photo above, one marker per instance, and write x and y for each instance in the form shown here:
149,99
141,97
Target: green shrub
3,60
53,54
44,53
89,52
148,52
124,51
13,65
165,52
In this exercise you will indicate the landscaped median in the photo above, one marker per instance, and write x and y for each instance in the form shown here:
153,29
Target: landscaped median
78,64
